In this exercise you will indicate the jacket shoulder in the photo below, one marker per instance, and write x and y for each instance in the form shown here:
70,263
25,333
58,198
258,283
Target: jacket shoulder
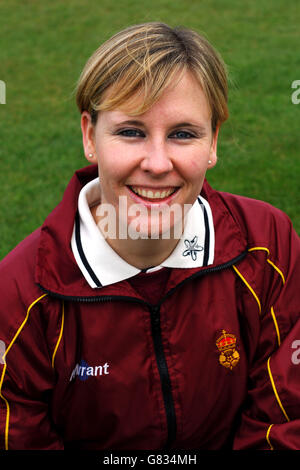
18,289
21,258
260,222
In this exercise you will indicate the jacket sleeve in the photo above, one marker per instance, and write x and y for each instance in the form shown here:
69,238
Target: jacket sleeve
271,416
29,334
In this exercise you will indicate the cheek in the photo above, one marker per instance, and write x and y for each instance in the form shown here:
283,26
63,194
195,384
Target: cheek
195,165
194,175
114,161
195,169
109,165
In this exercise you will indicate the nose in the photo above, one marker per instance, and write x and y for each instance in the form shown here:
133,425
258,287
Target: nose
157,159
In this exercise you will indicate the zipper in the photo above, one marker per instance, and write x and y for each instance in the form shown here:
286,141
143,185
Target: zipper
157,337
164,376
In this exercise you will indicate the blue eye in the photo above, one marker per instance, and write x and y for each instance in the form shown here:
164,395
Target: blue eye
131,133
182,135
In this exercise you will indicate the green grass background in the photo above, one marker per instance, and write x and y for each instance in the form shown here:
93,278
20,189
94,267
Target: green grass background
45,44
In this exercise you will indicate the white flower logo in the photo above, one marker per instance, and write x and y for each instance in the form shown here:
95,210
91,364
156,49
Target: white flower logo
192,248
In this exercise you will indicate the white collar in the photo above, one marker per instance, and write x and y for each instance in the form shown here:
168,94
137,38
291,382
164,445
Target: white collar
101,265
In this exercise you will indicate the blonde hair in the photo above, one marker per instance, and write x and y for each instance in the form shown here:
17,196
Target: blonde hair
143,60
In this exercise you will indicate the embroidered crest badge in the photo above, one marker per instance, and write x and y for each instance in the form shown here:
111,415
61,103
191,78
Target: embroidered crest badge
229,356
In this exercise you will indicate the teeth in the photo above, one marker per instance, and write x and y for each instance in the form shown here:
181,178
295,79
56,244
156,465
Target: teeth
153,195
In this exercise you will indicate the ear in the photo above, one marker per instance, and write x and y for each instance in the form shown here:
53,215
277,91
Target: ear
88,137
213,149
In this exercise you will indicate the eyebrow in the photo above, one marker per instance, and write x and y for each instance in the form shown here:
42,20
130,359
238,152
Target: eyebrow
136,122
199,127
130,122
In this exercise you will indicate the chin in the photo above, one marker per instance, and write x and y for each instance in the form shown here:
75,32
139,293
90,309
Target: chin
154,228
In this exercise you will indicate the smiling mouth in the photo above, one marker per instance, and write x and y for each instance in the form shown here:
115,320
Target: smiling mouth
153,194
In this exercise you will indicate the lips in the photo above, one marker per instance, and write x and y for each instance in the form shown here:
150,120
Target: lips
153,194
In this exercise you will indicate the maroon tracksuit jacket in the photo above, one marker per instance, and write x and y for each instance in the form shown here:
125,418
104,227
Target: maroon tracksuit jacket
214,364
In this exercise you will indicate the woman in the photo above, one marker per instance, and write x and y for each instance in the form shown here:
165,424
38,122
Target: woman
150,311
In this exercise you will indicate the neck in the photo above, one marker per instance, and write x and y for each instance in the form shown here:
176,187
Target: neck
143,253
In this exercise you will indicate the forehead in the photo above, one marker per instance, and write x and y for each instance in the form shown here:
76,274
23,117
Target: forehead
183,101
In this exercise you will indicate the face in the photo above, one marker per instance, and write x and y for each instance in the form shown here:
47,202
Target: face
156,160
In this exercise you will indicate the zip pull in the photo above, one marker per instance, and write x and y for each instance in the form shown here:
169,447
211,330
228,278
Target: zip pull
155,317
